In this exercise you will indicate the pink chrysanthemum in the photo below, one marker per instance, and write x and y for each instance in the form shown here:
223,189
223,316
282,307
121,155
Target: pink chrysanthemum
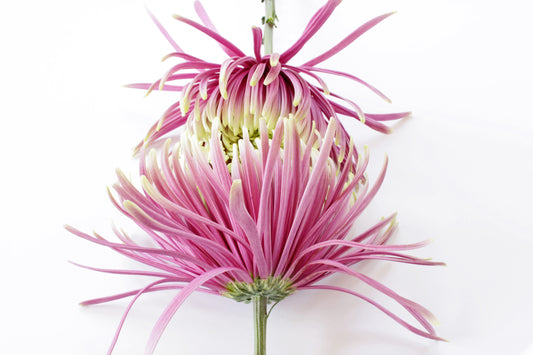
244,89
257,198
276,221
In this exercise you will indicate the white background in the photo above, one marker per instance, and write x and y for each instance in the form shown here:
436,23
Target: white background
460,173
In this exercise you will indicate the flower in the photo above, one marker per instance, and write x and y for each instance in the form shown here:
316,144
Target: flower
257,198
247,229
244,89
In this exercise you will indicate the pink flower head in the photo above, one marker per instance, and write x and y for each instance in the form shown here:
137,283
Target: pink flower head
244,89
258,196
275,221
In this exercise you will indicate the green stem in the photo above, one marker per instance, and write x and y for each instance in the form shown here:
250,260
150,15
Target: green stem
260,322
270,22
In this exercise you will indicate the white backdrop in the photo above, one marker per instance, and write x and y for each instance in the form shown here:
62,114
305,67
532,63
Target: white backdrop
460,173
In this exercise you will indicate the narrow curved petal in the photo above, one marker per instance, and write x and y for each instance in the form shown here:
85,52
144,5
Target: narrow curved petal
314,25
163,321
228,47
377,305
164,31
347,41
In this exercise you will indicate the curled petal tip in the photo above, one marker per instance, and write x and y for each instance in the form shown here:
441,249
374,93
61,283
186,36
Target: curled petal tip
70,228
236,184
145,182
130,205
274,59
159,125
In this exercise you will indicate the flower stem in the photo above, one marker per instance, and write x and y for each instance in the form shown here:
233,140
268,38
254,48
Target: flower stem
270,23
260,322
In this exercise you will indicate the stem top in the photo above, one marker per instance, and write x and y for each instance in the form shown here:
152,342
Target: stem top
270,22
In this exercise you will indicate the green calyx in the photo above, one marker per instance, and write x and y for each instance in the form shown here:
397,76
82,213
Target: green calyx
274,289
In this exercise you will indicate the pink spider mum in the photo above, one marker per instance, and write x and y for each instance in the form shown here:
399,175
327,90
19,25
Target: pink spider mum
244,89
275,221
257,198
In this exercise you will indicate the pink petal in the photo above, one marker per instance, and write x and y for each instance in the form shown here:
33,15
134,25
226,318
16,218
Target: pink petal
177,302
347,41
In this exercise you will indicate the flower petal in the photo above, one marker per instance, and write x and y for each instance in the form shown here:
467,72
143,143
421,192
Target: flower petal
347,41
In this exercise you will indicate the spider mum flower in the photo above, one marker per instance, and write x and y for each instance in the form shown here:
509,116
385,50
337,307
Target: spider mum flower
249,231
244,89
